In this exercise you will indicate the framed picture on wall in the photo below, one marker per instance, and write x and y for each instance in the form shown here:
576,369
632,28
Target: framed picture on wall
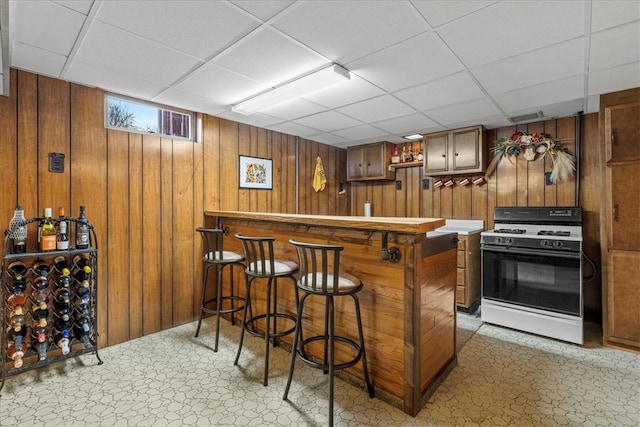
256,172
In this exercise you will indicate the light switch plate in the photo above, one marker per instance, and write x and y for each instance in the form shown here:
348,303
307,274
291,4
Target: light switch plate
56,162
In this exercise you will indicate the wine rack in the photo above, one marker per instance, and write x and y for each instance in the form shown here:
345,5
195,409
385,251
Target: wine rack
35,277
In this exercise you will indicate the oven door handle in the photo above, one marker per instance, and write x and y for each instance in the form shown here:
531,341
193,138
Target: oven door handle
510,250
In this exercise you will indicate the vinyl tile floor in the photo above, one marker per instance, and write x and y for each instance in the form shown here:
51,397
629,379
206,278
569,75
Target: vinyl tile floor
503,378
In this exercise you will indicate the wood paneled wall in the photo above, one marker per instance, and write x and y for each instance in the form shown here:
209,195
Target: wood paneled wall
514,183
144,194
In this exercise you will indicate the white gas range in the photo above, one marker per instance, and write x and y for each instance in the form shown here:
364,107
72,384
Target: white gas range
532,271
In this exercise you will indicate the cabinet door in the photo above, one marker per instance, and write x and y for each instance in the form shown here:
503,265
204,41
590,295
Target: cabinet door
625,207
355,163
435,159
466,150
374,160
622,123
624,298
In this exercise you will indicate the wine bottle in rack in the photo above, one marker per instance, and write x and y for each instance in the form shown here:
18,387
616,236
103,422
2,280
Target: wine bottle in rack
40,296
17,345
82,335
15,300
63,335
40,341
17,270
60,264
82,230
17,287
47,232
18,231
17,318
82,293
62,296
41,269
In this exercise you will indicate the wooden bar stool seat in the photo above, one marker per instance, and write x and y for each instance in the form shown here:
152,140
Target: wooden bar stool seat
214,255
261,263
319,275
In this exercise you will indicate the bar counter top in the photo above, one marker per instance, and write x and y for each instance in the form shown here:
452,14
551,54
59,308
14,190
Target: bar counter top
397,224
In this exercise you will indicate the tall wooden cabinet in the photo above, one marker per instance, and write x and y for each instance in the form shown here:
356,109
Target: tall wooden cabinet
620,229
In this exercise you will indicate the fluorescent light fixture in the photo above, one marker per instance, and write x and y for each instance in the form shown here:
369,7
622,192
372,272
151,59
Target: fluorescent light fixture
299,87
413,137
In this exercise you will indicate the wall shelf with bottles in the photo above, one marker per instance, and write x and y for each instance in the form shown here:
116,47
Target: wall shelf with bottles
49,303
414,163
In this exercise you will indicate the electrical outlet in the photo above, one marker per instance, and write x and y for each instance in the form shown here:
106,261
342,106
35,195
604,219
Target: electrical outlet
398,185
547,178
425,184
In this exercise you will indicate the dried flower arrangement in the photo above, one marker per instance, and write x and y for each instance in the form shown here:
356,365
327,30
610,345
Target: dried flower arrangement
535,147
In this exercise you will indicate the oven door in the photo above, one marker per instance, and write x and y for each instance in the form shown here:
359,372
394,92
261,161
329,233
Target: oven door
545,280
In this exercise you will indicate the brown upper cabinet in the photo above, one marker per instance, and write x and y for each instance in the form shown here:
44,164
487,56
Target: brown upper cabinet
460,151
369,162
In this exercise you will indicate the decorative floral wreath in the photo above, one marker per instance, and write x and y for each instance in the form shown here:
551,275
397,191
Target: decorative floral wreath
535,147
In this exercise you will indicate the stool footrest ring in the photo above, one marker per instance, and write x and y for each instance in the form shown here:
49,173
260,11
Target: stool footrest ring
250,327
312,361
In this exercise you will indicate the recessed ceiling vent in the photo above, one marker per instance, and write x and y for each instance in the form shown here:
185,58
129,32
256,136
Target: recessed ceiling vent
526,117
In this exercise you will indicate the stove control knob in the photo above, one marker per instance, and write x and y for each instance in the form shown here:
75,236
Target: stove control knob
499,240
545,243
557,243
508,240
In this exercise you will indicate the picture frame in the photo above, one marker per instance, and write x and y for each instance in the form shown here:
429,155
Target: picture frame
255,172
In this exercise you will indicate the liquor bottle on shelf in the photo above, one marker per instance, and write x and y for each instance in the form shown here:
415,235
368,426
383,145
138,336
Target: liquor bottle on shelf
40,341
47,232
60,263
17,346
82,230
18,231
61,218
62,242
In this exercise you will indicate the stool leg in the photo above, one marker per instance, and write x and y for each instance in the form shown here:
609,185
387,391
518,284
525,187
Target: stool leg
243,325
365,371
326,333
331,355
219,269
297,336
233,302
204,289
267,320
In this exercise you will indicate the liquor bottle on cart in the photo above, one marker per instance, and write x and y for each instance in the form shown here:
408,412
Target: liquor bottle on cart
82,230
18,234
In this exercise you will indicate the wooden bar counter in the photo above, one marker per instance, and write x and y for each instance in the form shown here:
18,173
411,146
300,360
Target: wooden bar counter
408,307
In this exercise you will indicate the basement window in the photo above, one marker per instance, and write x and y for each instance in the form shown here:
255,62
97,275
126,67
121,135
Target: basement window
144,117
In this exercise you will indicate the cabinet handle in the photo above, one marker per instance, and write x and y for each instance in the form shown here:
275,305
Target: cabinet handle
444,155
368,164
613,137
615,212
456,154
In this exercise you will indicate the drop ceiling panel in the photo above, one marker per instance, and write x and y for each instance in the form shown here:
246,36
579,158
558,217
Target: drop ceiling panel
268,57
609,13
441,12
614,79
511,28
220,84
293,109
328,121
212,25
406,125
376,109
547,64
626,39
82,6
540,95
478,108
362,133
409,63
264,9
189,101
356,89
52,27
344,31
122,52
113,81
449,90
27,57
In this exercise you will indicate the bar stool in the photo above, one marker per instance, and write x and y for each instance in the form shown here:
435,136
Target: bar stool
215,256
261,264
320,275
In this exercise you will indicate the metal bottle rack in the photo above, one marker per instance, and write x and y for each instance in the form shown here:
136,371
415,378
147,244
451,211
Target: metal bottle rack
54,353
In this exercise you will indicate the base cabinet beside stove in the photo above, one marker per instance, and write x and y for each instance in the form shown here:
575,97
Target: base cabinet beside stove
468,273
